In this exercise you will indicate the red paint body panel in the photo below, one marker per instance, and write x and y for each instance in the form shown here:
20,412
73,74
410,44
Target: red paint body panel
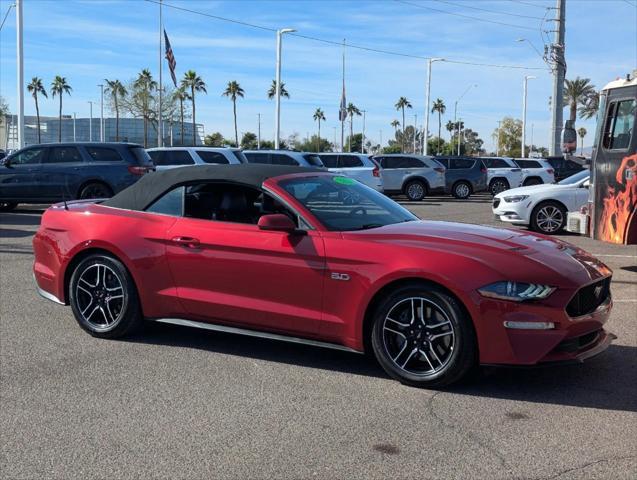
320,285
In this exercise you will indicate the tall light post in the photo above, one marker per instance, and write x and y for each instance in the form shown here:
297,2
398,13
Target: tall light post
427,100
415,130
455,113
279,35
526,79
363,142
258,131
20,72
101,85
74,119
90,122
335,138
497,143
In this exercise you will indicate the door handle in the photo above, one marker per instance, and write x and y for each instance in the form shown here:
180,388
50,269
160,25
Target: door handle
189,242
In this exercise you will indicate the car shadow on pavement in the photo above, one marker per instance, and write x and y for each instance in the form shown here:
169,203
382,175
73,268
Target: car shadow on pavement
606,382
29,217
15,233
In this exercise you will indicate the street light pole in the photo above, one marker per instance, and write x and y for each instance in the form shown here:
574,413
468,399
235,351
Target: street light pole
526,79
427,100
455,113
258,131
415,130
101,112
90,123
363,142
74,119
497,143
20,72
279,35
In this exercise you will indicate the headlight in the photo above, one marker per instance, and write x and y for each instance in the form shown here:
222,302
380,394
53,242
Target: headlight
516,291
515,198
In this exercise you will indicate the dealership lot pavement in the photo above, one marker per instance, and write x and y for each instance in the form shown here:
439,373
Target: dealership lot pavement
180,403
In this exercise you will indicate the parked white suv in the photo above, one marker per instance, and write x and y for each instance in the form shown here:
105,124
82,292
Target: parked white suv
171,157
416,176
502,174
284,157
355,165
535,171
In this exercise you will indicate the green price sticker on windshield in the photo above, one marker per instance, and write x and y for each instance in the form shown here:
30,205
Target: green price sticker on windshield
344,180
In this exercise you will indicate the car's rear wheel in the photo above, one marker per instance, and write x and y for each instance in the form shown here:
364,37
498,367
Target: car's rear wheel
462,190
7,206
416,190
95,190
498,185
103,297
548,218
422,337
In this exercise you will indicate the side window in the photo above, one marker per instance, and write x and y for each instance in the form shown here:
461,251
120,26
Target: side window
157,157
330,161
64,155
313,159
410,162
254,157
444,161
212,157
619,125
498,163
177,157
101,154
573,165
350,161
282,159
28,157
389,162
171,203
458,163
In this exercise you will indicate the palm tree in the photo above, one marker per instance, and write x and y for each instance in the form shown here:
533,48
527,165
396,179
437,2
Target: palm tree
59,86
394,123
318,116
144,84
116,90
196,84
36,87
351,111
576,93
401,104
451,127
272,90
590,106
181,95
582,133
234,90
440,107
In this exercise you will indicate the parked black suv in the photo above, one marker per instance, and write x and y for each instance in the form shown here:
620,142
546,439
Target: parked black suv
564,168
50,173
464,175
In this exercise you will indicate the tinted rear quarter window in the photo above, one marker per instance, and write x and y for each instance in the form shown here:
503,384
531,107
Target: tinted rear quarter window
313,160
282,159
497,163
330,161
254,157
140,155
177,157
528,164
238,154
212,157
103,154
461,163
157,157
350,161
64,155
444,162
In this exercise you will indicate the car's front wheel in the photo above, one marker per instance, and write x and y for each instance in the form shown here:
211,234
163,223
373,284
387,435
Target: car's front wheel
7,206
462,190
415,190
103,297
422,337
548,218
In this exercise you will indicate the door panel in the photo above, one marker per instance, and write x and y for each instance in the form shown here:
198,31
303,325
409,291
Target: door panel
62,172
245,276
20,179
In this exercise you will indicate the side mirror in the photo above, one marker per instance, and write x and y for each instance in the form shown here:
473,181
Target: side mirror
276,222
5,162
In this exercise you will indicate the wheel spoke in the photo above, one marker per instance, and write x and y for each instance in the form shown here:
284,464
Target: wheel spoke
80,287
422,352
87,307
439,335
92,312
400,324
396,332
411,354
433,352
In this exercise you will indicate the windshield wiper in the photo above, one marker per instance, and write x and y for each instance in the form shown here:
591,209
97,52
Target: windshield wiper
367,226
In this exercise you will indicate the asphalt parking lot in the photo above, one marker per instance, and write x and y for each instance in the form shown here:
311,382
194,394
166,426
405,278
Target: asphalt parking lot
174,402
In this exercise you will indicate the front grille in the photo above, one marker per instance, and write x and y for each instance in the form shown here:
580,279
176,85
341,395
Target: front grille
496,202
588,298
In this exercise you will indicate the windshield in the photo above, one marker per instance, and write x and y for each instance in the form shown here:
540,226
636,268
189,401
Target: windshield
341,203
573,179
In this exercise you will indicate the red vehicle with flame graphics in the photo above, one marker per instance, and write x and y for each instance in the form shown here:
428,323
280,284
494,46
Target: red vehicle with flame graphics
611,214
307,256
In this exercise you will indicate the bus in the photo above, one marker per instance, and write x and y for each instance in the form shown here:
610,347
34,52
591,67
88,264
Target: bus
611,213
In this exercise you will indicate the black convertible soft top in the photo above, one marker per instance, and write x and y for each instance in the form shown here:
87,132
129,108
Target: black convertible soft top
152,185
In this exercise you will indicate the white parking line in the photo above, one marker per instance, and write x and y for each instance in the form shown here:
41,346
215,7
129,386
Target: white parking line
625,301
609,255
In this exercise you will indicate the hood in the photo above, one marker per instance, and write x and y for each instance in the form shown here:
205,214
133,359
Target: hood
531,189
516,254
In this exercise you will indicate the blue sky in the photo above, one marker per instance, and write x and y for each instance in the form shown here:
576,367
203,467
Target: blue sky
89,40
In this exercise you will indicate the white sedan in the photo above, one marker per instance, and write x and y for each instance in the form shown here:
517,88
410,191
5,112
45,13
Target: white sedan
543,207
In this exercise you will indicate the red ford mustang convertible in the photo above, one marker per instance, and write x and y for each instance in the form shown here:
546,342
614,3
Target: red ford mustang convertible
308,256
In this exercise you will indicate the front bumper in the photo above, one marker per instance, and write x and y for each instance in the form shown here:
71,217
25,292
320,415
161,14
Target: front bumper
517,212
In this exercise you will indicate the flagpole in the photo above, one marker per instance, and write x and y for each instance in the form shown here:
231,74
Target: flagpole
160,140
342,96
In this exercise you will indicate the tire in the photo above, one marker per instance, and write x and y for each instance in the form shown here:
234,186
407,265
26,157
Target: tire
498,185
548,218
95,284
415,190
532,181
7,206
461,190
95,190
416,354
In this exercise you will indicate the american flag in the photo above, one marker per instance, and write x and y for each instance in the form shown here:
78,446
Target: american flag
171,59
342,113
